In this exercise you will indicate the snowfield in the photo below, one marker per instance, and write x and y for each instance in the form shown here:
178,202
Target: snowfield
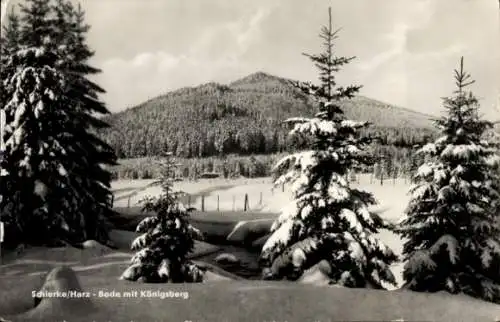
392,196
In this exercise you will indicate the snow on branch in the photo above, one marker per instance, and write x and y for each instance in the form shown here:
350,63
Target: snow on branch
281,236
315,127
293,120
298,166
146,224
141,256
365,214
451,245
425,170
419,263
350,217
289,176
338,193
488,253
422,191
353,124
462,151
493,160
288,212
429,148
194,232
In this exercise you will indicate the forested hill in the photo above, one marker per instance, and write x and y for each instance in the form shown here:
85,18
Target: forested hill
243,117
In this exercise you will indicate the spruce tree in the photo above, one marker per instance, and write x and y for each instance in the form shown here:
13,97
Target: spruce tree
327,219
91,171
59,33
452,220
167,238
34,189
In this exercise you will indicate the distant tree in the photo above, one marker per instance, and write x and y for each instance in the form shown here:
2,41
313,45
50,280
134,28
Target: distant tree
167,238
327,219
452,222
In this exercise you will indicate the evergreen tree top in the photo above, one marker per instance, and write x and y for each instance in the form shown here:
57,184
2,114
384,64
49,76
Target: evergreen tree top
328,92
462,111
11,30
461,127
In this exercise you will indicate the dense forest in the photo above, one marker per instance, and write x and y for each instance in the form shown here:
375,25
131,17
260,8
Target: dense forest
392,162
244,118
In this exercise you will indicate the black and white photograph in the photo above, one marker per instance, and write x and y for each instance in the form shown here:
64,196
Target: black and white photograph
249,160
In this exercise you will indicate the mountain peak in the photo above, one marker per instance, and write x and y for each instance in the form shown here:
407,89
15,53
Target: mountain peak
257,77
235,114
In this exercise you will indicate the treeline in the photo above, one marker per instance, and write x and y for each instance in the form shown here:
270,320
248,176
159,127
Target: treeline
234,137
391,162
231,166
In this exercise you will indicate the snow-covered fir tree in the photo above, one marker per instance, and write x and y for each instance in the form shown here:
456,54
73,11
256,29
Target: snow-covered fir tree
51,43
452,221
167,238
327,219
34,154
94,177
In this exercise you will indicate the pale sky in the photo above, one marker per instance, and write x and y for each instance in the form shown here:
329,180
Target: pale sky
406,49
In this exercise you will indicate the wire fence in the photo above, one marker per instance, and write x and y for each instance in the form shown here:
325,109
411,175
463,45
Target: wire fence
255,200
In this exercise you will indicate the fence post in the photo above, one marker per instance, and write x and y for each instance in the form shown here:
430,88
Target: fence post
260,200
189,200
246,202
283,187
128,202
217,202
203,203
234,202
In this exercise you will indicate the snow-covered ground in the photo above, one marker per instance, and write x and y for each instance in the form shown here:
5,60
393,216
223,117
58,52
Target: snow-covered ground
392,199
392,196
225,188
